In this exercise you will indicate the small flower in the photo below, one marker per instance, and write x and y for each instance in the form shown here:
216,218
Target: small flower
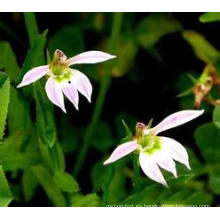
157,152
63,79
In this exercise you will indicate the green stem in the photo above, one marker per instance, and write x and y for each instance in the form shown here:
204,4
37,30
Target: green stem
136,177
108,180
101,96
31,25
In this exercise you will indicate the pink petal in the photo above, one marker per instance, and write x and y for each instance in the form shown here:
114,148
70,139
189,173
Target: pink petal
33,75
175,150
90,57
177,119
82,83
54,93
71,93
121,151
151,169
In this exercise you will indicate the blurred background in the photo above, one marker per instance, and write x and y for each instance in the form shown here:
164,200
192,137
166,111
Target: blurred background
155,53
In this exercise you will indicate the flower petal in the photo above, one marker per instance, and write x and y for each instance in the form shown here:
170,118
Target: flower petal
71,92
175,150
121,151
151,169
33,75
90,57
54,93
82,83
168,164
177,119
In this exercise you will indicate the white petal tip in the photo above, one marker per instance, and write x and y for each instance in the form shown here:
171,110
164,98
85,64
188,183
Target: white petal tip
106,162
20,85
201,111
188,166
165,184
64,110
112,56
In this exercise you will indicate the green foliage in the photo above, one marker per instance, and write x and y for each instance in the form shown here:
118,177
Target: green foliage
29,184
104,137
216,116
48,184
8,61
178,194
202,48
209,17
35,55
41,144
127,48
69,39
4,100
5,193
207,137
148,33
89,200
65,181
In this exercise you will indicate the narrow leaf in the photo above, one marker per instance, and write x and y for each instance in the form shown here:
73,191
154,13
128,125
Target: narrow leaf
51,189
4,94
65,181
5,193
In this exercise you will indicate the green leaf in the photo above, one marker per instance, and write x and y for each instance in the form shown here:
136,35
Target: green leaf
46,181
182,191
126,48
4,100
65,181
69,39
14,161
8,61
117,188
214,179
148,33
31,24
216,116
209,17
5,193
35,55
45,119
29,184
202,48
104,139
18,113
207,137
90,200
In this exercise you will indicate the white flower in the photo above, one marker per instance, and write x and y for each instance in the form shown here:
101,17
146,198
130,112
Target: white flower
64,80
157,152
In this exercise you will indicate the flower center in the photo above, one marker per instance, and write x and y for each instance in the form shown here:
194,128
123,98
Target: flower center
59,68
61,73
150,143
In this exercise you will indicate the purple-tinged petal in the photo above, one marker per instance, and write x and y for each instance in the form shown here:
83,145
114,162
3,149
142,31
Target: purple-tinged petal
121,151
54,93
151,169
175,150
33,75
176,119
82,83
71,92
90,57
